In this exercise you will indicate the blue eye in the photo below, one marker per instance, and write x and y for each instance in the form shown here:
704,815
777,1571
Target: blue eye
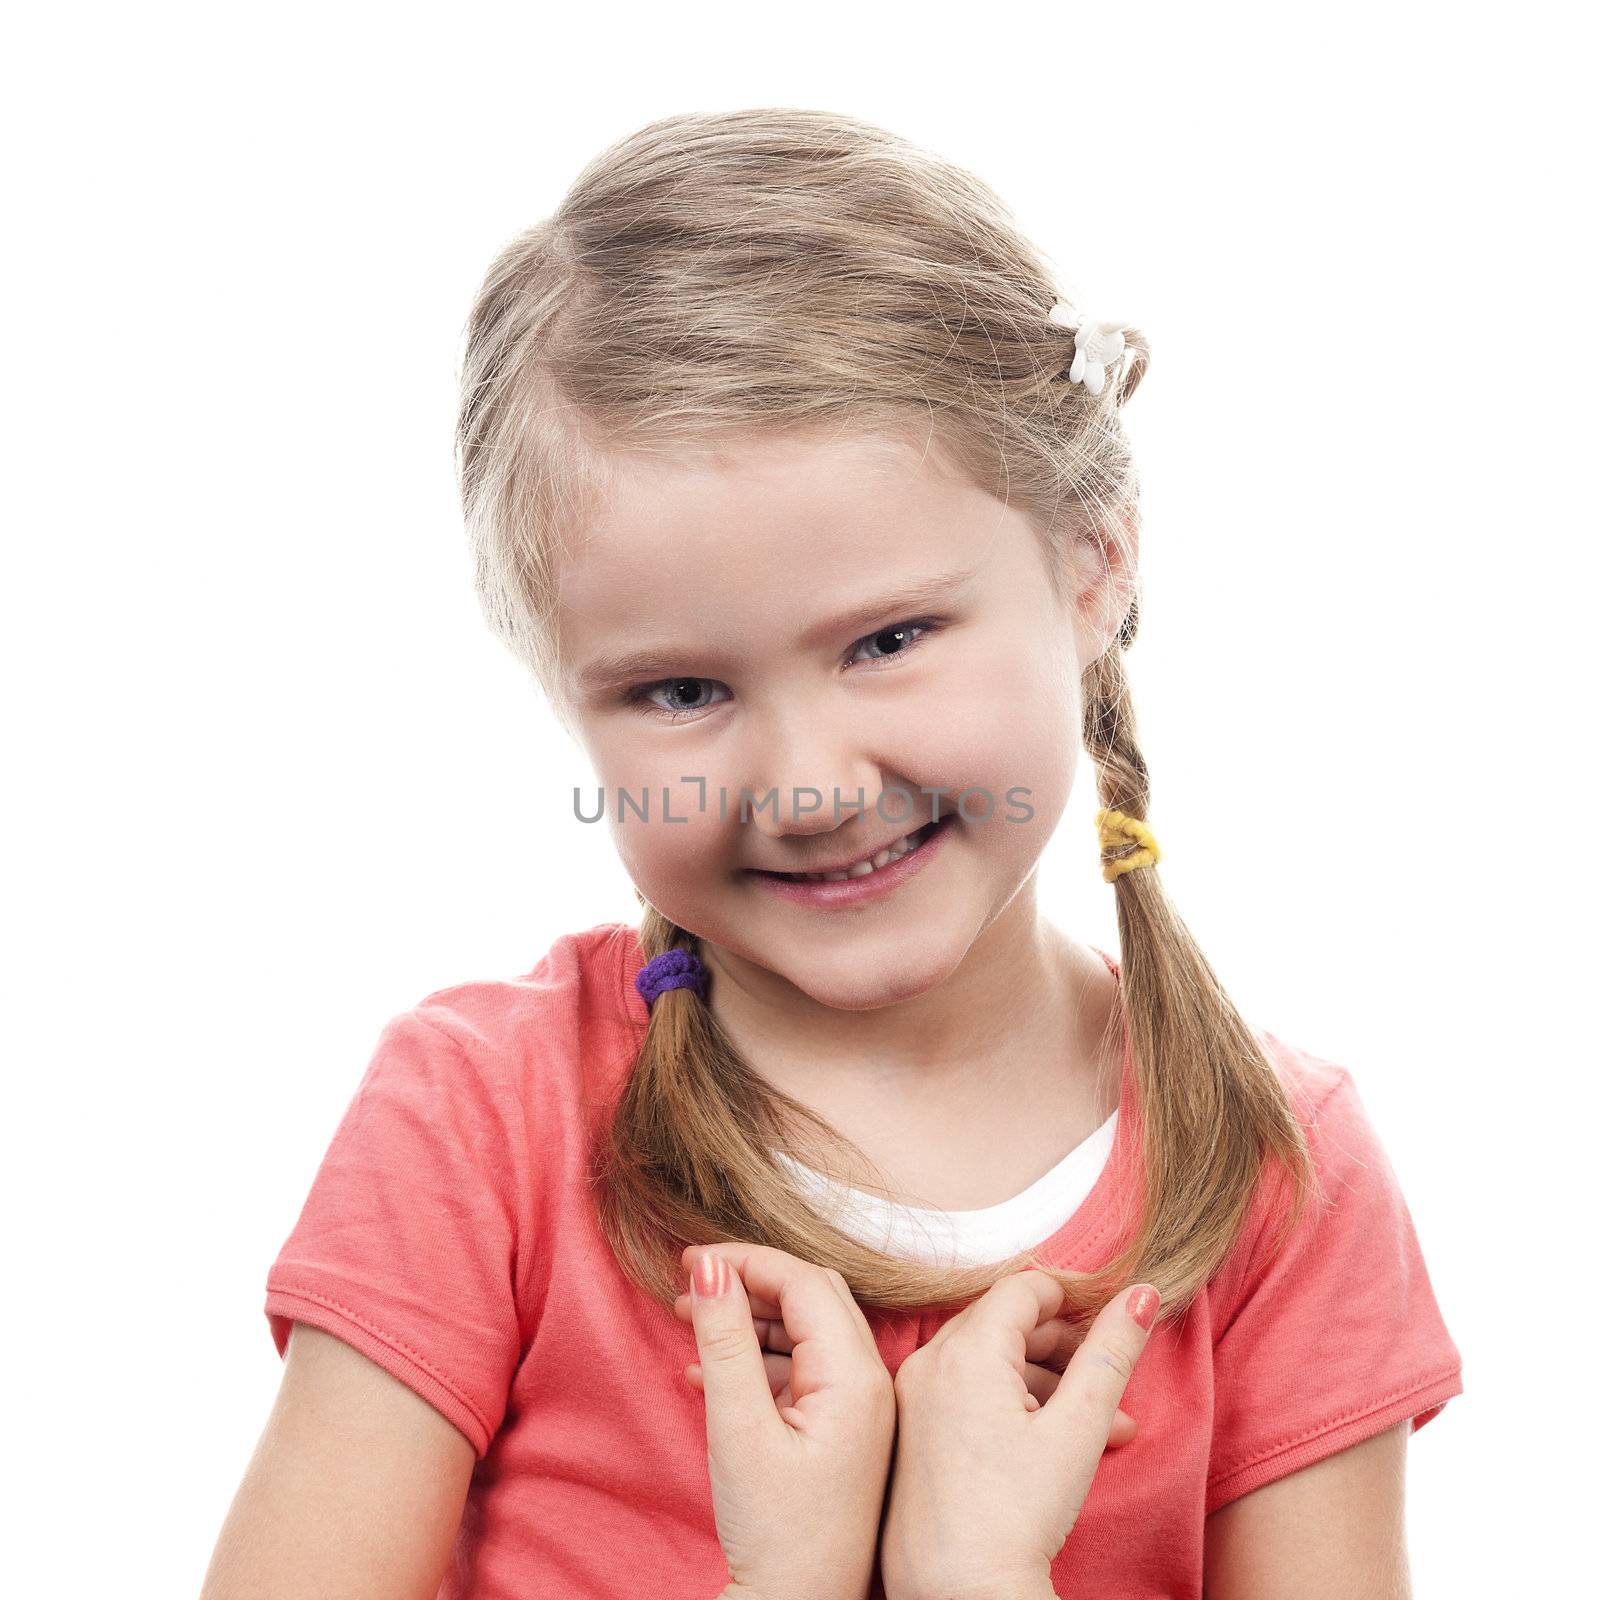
901,631
672,685
906,636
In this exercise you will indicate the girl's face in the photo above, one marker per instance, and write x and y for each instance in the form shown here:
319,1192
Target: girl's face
812,615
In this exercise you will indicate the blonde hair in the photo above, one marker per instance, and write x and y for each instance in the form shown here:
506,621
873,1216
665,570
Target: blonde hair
717,275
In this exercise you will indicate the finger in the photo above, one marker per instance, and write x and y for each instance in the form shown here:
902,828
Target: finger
760,1306
768,1315
769,1327
829,1337
992,1333
1091,1389
732,1373
1016,1306
1042,1381
1123,1428
764,1301
777,1368
778,1381
1049,1347
760,1283
1053,1342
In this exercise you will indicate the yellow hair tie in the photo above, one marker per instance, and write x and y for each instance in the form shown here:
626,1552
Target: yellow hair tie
1117,828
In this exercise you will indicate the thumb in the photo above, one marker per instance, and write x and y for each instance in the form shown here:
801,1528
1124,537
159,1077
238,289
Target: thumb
732,1371
1100,1368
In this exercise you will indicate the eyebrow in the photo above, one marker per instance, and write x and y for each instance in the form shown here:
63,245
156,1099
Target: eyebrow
613,671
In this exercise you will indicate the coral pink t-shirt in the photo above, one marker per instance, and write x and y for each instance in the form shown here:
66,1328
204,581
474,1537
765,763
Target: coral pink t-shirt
450,1236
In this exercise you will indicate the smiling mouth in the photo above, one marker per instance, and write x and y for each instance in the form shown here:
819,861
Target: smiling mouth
864,869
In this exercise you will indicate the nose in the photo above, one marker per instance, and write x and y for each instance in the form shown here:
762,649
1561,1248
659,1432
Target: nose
783,803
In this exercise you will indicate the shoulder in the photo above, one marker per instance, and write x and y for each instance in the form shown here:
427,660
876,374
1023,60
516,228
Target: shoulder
1327,1102
566,1021
1309,1080
1349,1167
581,975
1325,1332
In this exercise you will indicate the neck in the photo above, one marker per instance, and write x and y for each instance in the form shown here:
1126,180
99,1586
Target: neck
1023,997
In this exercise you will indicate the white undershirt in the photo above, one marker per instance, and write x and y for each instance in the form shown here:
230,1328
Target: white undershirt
963,1238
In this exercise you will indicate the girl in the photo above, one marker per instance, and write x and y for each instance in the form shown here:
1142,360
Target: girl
806,498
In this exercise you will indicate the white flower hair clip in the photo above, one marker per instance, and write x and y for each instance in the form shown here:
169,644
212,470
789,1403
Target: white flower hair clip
1096,346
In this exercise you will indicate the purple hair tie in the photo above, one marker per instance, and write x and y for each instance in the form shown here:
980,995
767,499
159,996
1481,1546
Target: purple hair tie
672,969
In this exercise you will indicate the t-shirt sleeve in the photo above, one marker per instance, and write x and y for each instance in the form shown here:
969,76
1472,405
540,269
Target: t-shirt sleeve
1337,1336
405,1247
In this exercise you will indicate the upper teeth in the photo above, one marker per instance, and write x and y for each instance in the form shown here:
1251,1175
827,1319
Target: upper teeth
863,869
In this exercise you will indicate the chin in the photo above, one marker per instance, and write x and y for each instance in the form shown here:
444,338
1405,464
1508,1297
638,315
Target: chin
848,976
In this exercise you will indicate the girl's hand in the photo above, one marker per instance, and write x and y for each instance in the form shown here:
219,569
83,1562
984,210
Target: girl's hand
987,1481
1049,1347
797,1470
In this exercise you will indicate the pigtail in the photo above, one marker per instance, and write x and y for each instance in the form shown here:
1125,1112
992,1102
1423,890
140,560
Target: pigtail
1215,1118
688,1157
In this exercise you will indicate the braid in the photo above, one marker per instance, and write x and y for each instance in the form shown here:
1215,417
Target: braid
1110,730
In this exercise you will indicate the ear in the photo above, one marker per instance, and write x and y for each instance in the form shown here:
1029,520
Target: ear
1106,581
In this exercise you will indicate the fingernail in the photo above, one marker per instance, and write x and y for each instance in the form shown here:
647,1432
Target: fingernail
1142,1304
710,1276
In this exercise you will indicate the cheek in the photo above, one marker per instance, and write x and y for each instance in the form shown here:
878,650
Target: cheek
1011,718
1021,741
680,832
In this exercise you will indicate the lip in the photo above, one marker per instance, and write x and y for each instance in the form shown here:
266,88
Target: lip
856,891
855,861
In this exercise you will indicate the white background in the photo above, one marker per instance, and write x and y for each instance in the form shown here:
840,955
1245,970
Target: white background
272,780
